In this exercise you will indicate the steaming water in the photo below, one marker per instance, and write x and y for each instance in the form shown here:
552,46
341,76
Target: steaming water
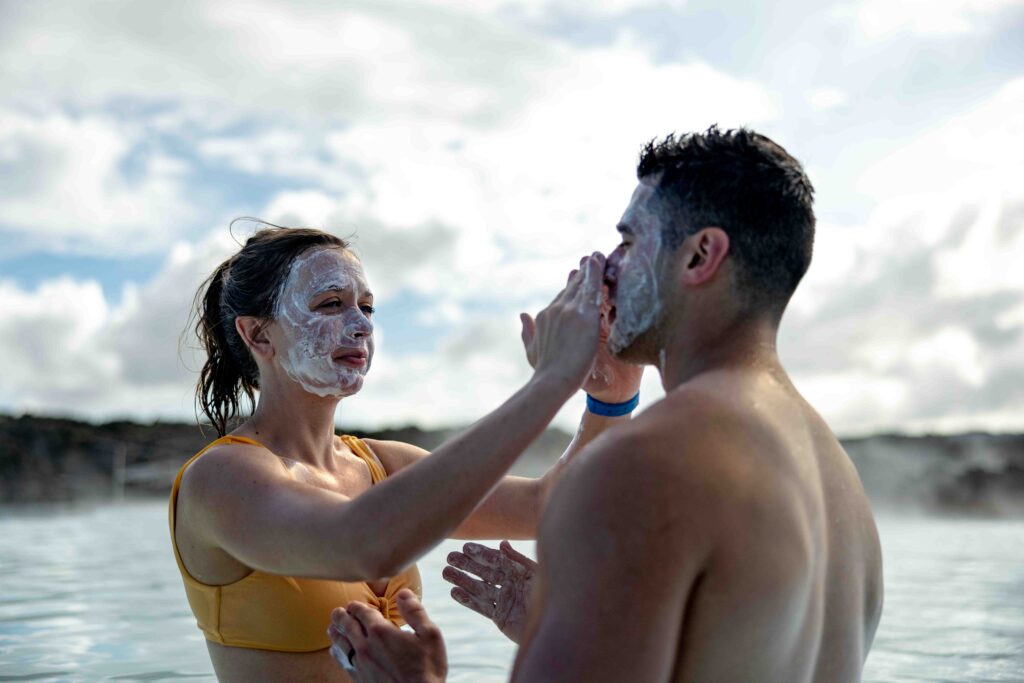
93,594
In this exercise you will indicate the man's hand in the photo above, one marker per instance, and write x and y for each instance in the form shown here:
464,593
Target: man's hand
611,380
381,652
501,593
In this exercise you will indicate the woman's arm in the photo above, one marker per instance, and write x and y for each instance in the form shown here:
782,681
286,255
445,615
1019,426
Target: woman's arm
273,526
513,508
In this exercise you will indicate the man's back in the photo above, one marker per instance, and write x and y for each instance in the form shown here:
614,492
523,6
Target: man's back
793,588
728,536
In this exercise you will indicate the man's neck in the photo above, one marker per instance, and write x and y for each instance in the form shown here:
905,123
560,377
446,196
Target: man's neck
691,350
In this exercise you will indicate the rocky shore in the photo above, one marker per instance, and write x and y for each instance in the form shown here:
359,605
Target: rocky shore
56,460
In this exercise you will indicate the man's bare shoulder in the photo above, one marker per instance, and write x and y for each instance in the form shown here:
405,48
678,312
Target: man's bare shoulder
693,455
661,467
683,434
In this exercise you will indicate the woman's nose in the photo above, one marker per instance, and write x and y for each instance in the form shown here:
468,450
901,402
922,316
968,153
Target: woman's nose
359,327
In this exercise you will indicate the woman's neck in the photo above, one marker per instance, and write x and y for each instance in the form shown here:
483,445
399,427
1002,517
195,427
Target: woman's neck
299,426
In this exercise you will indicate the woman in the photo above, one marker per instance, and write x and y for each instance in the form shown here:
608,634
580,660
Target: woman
280,521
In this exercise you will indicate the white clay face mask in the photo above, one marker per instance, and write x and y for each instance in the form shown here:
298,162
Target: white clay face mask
637,304
329,347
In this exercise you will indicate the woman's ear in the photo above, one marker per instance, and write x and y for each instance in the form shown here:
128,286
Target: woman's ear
254,333
702,254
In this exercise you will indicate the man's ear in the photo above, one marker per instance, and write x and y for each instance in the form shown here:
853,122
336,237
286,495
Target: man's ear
254,333
701,255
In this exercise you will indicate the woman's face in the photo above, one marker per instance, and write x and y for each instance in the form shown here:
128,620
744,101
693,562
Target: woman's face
323,314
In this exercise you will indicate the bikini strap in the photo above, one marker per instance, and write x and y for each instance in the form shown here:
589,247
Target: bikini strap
360,448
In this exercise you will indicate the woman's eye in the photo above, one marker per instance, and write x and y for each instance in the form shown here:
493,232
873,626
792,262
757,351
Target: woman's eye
331,303
368,309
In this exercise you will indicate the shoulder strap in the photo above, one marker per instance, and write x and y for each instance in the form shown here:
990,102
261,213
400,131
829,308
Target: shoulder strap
360,448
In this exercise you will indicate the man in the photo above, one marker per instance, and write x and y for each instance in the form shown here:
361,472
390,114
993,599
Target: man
723,534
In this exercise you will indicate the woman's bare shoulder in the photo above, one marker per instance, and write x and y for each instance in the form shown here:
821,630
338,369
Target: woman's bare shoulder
228,466
395,455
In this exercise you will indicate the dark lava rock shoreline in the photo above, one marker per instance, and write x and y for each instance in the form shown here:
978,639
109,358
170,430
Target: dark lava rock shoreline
57,460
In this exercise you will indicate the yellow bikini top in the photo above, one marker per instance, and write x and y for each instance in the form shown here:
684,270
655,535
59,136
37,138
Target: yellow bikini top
281,613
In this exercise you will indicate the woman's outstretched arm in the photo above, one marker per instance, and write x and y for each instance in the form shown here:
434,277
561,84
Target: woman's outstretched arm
512,510
248,508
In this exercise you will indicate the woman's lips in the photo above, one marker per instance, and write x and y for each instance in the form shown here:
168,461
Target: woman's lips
354,359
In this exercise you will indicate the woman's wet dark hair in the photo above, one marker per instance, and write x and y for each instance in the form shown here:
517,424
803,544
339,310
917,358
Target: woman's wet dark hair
247,284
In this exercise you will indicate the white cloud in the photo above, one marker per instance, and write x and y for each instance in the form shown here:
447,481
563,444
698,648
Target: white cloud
883,18
476,158
65,187
65,348
824,99
921,303
303,59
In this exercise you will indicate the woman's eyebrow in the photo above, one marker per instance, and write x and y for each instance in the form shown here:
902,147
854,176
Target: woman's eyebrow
336,286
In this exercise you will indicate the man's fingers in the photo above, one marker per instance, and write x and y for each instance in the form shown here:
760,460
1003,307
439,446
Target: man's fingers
486,556
516,556
340,647
471,585
364,620
340,655
469,592
415,615
364,614
485,570
349,627
483,607
338,637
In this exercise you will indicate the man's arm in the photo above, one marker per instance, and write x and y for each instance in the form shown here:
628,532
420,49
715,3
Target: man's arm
621,547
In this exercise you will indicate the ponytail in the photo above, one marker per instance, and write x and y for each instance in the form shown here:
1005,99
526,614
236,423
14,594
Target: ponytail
221,380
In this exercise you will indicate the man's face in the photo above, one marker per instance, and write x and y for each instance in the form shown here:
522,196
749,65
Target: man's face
632,270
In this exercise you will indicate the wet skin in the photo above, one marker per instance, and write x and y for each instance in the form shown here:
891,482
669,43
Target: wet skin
722,535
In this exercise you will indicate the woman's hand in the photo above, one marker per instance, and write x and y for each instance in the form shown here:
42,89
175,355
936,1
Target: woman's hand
502,592
373,650
562,342
611,380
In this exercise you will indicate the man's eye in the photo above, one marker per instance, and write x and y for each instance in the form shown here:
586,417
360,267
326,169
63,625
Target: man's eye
330,303
367,309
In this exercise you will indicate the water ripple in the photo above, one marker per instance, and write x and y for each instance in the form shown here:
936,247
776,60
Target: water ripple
93,594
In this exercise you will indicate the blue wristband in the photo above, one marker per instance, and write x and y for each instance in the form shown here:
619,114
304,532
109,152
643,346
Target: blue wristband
612,409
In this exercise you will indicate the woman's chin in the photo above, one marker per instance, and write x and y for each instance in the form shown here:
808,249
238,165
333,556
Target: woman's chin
350,387
335,391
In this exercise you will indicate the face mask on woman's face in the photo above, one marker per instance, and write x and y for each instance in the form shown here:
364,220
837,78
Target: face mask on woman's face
323,315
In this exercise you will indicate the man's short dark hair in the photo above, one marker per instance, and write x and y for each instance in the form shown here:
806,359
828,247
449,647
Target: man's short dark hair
749,186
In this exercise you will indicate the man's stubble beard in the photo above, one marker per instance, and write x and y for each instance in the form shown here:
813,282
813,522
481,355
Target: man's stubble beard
646,346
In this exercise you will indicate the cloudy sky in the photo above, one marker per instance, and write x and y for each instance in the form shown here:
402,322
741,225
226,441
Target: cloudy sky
475,150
